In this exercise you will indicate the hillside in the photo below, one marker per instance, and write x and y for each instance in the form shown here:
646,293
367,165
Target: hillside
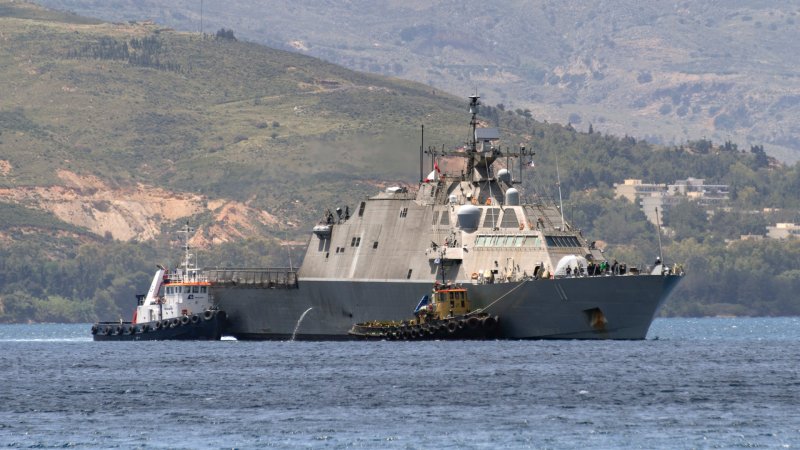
124,129
113,136
665,71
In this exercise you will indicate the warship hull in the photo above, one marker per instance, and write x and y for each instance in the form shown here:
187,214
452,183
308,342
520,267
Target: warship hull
520,261
601,307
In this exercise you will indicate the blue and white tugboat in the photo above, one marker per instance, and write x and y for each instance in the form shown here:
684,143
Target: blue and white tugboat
177,306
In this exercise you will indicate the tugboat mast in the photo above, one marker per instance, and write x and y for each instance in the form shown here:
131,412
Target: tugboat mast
187,263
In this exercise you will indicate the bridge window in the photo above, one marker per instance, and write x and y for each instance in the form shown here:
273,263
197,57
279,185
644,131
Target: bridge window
375,244
408,277
403,212
361,209
517,240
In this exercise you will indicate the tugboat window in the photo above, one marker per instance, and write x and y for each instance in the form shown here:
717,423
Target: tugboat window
202,289
195,289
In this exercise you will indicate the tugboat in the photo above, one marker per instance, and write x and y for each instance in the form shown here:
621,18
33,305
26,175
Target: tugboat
446,315
178,306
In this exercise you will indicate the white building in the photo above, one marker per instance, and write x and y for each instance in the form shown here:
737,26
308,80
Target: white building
650,196
783,231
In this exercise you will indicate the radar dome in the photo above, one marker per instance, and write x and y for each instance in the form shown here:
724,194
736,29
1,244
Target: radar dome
468,217
512,197
504,175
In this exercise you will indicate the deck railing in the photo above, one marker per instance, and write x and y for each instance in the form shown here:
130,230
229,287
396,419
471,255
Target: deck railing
280,277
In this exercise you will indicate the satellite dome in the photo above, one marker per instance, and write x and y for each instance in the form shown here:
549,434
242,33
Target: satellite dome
512,197
504,175
468,217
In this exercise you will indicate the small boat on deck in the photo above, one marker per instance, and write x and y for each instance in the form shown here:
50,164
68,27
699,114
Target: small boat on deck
178,306
445,314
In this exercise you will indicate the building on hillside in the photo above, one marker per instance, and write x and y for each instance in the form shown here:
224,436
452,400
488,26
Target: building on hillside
634,189
751,237
783,231
650,196
697,190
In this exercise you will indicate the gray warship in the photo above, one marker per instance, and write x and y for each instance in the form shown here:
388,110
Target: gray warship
519,261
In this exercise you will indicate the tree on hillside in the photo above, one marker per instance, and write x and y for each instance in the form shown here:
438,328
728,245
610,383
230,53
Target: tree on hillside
225,34
760,155
687,219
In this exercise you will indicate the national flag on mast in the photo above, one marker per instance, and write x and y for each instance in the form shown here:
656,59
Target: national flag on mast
435,173
431,177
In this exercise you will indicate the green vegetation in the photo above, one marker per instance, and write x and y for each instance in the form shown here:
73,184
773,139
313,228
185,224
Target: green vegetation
288,134
669,72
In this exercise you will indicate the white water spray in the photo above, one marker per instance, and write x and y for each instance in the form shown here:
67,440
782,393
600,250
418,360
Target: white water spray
299,321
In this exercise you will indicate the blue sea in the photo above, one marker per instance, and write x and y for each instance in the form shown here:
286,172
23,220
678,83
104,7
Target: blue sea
694,383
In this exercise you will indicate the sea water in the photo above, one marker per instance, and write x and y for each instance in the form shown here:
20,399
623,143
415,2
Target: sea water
694,383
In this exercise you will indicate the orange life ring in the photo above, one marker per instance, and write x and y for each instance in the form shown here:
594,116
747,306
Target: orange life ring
474,275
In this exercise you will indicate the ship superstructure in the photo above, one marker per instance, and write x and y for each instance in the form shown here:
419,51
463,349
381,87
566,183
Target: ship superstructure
521,261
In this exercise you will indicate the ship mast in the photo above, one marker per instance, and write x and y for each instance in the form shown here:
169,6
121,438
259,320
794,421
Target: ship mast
187,262
473,144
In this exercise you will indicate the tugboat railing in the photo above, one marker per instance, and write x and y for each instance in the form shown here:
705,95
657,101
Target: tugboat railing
279,277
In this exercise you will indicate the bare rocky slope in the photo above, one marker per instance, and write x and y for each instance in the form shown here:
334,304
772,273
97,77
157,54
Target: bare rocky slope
128,130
